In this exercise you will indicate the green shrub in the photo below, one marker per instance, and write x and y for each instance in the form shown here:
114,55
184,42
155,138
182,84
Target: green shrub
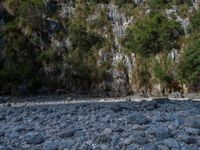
143,75
22,39
195,22
152,35
27,14
47,56
17,74
98,73
160,4
120,3
183,10
99,1
81,38
101,21
163,71
155,4
180,2
162,75
189,67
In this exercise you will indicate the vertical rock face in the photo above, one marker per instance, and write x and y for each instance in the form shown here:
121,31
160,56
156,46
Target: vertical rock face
119,22
117,19
119,79
118,82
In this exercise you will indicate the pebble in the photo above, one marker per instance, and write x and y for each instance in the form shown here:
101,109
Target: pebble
137,118
107,131
186,139
193,131
128,141
2,147
35,138
67,133
161,132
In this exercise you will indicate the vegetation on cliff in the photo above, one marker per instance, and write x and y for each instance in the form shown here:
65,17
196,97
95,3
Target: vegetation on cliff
45,45
152,35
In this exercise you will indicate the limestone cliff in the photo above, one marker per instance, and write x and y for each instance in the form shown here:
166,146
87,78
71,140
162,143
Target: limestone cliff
60,63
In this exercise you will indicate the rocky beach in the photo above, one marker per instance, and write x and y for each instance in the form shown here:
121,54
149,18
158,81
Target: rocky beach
99,124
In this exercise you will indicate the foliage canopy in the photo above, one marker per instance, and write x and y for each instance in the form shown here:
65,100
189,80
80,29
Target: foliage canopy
152,35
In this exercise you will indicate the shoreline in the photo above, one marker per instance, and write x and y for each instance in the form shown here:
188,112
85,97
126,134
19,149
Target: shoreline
78,99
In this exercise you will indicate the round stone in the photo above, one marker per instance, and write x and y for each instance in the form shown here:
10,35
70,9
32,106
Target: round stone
67,133
107,131
35,138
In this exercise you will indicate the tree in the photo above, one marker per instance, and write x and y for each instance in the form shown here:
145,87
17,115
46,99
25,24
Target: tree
151,35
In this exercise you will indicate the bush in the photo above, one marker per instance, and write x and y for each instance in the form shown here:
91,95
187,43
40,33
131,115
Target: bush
99,1
101,21
20,48
12,75
141,74
152,35
195,22
120,3
180,2
27,14
189,67
81,38
157,3
47,56
160,74
183,10
163,70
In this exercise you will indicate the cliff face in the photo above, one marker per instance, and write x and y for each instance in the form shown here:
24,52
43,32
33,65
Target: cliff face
63,64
